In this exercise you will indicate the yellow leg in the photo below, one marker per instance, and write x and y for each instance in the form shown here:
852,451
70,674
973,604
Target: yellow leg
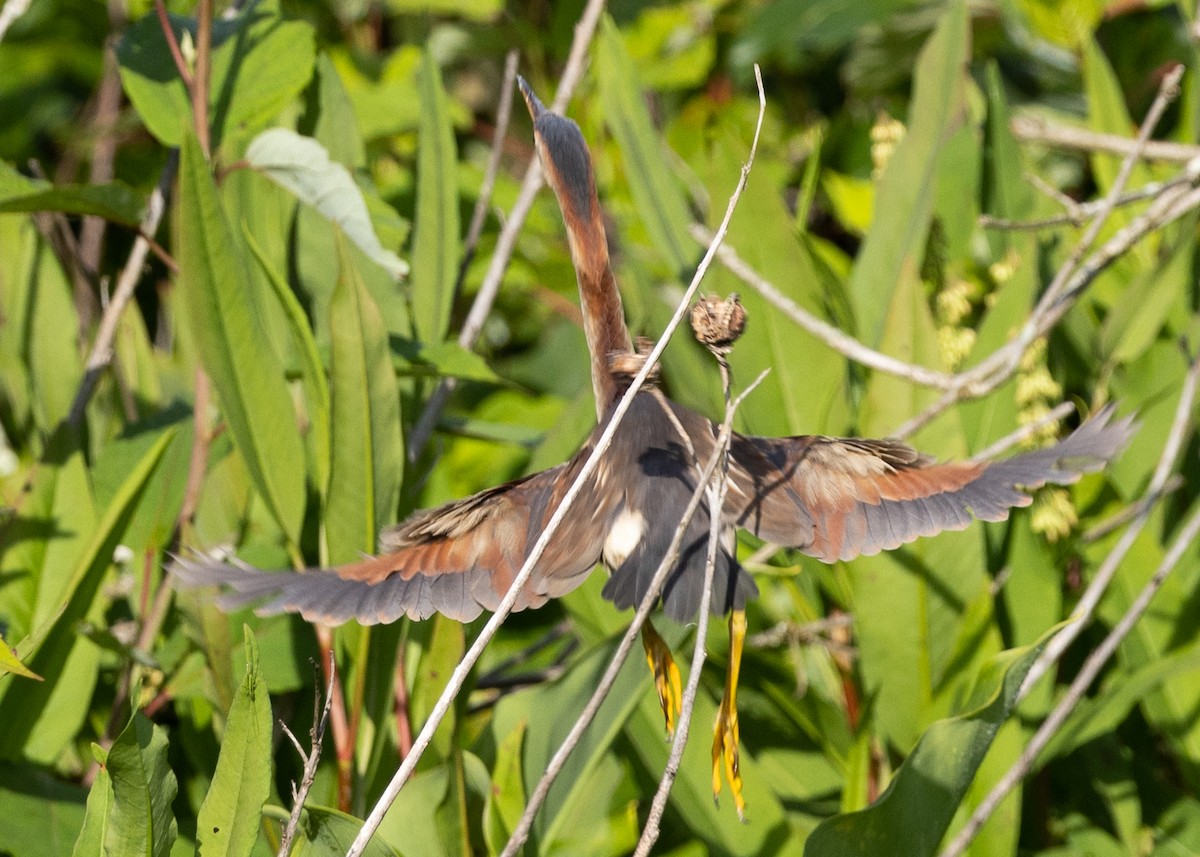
666,675
725,731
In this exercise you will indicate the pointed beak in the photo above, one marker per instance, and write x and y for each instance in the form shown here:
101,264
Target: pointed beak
532,102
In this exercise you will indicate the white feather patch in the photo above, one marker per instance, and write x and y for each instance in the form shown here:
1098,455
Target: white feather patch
624,537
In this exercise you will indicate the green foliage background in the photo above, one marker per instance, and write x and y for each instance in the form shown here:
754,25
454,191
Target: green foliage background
310,271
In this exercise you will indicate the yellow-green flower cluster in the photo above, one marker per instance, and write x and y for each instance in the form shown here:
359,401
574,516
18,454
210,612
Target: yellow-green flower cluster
1053,514
886,134
953,305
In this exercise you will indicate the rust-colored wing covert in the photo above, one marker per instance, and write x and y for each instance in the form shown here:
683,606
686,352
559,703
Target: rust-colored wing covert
456,560
836,498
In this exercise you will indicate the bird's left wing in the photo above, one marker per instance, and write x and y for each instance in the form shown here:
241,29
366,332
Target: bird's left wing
836,498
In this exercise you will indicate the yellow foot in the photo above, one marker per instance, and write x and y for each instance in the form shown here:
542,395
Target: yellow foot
725,730
666,675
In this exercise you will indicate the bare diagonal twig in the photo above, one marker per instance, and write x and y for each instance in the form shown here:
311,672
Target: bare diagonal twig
311,758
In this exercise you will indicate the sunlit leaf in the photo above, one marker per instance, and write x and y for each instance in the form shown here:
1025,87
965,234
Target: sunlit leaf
229,818
116,201
436,245
246,374
302,165
144,786
912,815
260,62
368,455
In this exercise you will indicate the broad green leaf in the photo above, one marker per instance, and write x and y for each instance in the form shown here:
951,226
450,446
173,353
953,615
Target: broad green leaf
115,201
911,817
229,818
10,663
42,813
442,642
94,832
1107,114
326,832
473,10
302,166
47,649
336,125
411,823
447,359
55,368
245,373
312,370
260,62
144,786
506,799
1148,300
660,201
436,241
895,243
368,454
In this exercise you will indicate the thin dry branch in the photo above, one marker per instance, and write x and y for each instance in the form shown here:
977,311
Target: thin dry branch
1032,129
455,683
311,758
506,241
484,202
101,354
840,342
1087,674
1078,212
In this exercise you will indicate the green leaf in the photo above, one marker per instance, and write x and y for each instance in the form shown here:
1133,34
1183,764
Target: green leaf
260,63
660,201
335,126
245,372
326,832
143,788
895,243
301,165
472,10
506,799
229,818
368,453
115,201
442,359
47,649
436,242
42,814
99,808
442,643
911,817
312,370
10,663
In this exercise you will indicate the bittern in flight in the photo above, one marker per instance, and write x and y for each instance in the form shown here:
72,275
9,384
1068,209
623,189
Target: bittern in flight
832,498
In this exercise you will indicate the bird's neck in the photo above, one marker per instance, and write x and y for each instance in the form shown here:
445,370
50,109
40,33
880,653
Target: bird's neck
603,316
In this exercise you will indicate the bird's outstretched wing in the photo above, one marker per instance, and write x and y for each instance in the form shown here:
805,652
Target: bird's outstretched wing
457,560
836,498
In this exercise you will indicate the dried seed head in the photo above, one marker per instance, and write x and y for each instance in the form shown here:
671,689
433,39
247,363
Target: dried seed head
718,323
